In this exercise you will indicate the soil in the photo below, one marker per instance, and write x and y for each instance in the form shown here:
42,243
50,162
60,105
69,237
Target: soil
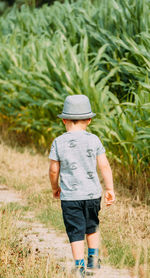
47,241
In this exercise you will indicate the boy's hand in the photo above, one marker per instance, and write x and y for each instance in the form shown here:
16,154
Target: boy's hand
56,193
109,197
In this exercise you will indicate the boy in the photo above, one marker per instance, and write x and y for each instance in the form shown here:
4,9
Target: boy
74,156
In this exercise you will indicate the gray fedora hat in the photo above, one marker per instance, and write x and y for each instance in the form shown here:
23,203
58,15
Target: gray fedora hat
77,107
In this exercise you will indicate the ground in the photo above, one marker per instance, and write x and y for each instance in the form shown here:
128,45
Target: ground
47,241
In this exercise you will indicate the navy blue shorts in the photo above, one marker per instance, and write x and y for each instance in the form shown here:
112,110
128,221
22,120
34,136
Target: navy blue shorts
80,217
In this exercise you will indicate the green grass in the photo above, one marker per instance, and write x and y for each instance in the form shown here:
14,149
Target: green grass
2,180
20,187
120,255
49,212
46,55
52,217
15,206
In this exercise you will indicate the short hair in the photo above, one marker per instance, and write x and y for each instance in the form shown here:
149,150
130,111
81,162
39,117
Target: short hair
76,121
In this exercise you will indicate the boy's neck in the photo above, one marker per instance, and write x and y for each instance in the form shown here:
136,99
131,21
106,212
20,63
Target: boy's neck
75,127
80,125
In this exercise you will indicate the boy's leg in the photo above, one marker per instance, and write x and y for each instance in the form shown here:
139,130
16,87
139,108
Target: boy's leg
78,255
74,221
93,240
77,249
93,250
92,233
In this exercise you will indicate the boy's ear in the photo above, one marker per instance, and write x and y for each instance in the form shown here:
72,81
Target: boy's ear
89,121
64,121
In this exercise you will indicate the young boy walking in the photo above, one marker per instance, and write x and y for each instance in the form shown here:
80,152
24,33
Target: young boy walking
74,157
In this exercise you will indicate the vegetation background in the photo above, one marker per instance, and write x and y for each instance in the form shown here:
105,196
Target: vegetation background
51,49
98,48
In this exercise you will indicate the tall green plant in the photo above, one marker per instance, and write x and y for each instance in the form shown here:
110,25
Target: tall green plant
48,53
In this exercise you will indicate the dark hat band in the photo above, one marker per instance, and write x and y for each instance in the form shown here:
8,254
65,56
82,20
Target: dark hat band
77,114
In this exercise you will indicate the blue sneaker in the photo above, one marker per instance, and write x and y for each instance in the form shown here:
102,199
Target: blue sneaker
79,271
93,262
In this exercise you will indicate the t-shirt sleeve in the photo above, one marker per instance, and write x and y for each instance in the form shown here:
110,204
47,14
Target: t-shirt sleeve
100,148
53,152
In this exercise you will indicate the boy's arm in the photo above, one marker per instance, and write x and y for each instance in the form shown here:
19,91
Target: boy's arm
106,172
54,176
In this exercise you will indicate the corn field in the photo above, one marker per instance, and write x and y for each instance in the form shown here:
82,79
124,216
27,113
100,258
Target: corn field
97,48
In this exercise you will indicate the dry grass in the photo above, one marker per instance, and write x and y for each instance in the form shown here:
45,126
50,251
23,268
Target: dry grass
16,258
127,228
125,234
134,185
25,170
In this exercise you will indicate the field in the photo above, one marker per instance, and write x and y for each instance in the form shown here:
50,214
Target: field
100,49
71,48
124,227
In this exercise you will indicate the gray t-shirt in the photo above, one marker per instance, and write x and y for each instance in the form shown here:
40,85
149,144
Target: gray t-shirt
77,151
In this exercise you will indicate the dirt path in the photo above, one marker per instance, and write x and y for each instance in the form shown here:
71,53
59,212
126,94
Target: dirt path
7,196
47,241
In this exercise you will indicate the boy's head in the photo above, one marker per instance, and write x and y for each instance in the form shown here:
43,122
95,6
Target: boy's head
77,108
77,124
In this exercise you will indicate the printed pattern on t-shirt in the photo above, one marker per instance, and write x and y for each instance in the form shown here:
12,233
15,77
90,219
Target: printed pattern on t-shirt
77,154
